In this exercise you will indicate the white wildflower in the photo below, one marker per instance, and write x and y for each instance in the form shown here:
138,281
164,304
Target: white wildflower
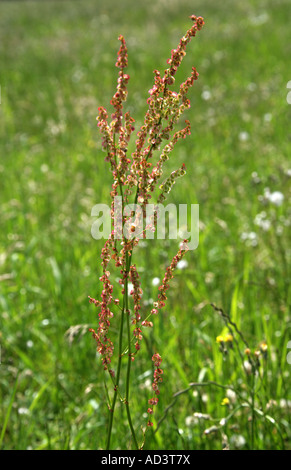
44,168
262,222
23,411
268,117
285,403
276,198
201,416
156,281
243,136
190,421
237,441
255,178
182,264
250,238
206,95
231,395
247,367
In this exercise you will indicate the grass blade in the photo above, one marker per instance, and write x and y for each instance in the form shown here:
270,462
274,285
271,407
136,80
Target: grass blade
8,412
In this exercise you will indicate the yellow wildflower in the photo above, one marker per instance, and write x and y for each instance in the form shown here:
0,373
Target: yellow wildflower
228,338
219,339
225,401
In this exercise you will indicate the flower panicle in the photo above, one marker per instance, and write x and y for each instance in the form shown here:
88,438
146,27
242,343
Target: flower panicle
137,295
163,105
167,185
169,274
158,373
157,170
137,172
121,91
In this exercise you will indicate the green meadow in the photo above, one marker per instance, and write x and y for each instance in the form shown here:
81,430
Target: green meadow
57,67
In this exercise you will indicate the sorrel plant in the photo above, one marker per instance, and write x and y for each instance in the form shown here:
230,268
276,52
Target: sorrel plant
135,178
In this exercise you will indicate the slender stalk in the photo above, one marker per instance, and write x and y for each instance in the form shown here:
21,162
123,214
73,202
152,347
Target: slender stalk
111,410
253,413
125,310
128,262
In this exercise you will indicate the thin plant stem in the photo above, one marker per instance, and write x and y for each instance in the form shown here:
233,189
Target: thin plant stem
111,410
253,414
128,261
125,310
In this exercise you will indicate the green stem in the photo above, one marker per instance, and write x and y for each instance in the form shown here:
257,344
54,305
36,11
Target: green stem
111,410
125,310
116,391
128,263
253,414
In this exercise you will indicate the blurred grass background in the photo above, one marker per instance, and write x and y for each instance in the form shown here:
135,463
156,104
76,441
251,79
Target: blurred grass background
57,67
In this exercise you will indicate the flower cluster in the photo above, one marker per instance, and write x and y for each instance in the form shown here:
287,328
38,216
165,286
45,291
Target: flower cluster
253,362
164,105
167,185
225,342
139,175
104,344
168,276
155,385
136,293
121,92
